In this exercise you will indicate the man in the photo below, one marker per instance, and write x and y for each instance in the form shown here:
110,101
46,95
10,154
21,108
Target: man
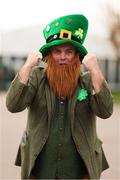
60,140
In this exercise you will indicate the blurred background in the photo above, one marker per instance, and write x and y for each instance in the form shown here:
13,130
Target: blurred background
21,26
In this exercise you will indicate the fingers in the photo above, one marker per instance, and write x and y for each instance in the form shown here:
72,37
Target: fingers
90,61
33,59
37,55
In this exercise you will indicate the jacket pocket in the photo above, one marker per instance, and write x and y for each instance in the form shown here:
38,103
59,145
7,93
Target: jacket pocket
24,139
21,149
98,146
98,155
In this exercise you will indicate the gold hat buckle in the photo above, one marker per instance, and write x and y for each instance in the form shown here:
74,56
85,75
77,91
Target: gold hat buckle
65,34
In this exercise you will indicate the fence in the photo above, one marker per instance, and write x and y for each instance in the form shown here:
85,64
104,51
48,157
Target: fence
111,71
10,65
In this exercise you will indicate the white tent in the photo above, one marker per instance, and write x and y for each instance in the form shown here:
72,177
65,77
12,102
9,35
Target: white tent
22,41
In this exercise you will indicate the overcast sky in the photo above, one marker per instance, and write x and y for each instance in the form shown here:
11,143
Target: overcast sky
19,13
16,14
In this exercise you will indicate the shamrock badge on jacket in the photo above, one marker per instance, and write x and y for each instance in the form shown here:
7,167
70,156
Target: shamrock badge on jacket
82,94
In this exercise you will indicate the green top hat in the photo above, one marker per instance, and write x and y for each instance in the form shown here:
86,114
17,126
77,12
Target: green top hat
66,29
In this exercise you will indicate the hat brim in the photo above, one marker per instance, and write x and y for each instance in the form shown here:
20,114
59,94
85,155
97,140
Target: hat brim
81,49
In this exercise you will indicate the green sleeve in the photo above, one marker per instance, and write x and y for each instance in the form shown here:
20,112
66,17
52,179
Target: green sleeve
19,95
102,102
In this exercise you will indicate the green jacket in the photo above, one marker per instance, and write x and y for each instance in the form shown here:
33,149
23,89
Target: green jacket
39,99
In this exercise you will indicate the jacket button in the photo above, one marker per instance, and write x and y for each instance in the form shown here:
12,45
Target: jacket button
35,155
59,159
61,102
60,145
60,128
44,139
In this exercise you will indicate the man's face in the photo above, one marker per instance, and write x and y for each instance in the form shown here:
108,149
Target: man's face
63,54
63,69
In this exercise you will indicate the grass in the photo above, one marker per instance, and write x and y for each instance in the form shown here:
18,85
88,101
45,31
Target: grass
116,96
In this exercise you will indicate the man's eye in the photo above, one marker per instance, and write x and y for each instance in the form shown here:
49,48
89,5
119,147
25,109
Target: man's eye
56,51
70,52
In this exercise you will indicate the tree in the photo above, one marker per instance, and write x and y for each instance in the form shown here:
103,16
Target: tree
113,21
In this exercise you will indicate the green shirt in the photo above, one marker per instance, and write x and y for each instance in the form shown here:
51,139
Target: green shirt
59,157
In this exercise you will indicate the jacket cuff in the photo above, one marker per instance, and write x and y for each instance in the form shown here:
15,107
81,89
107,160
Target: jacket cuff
102,102
18,83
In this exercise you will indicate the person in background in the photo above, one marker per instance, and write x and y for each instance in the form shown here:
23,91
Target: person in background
60,140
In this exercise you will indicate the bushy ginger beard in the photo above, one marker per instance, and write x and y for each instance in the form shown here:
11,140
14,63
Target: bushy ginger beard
63,78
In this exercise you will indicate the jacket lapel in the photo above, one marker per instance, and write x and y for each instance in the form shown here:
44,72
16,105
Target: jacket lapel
71,104
50,98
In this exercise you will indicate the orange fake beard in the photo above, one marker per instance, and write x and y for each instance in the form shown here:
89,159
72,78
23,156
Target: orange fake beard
63,78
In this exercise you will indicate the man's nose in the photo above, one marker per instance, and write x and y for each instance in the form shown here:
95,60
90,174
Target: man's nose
63,56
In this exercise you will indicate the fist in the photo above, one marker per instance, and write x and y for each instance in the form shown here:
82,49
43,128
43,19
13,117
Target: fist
33,59
90,62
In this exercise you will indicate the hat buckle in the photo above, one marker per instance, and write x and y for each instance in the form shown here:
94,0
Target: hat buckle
65,34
